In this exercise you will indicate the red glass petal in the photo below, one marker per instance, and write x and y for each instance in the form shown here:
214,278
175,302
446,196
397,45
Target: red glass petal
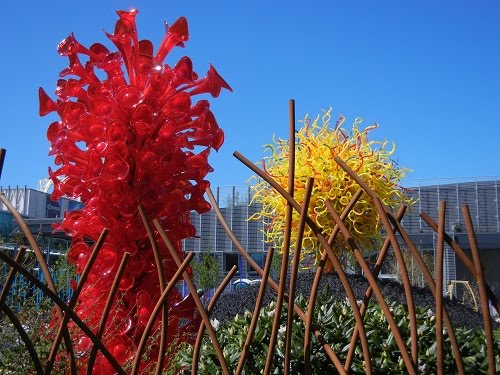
176,34
129,96
47,105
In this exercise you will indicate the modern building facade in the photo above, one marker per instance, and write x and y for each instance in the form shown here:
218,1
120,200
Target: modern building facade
234,205
39,213
482,199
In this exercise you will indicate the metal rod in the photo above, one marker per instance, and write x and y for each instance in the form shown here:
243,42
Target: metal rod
464,259
410,366
432,286
315,286
439,287
482,290
74,299
211,305
34,246
11,276
369,291
293,275
159,305
287,236
195,296
256,312
64,308
2,159
107,309
161,279
382,211
276,186
45,269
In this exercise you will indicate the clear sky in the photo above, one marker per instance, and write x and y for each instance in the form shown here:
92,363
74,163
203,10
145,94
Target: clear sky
426,71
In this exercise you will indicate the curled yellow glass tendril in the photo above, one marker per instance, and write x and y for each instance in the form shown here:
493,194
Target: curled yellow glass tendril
316,146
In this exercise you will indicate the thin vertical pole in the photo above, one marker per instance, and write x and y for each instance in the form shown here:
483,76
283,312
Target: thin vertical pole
295,270
439,287
256,313
2,158
286,244
490,350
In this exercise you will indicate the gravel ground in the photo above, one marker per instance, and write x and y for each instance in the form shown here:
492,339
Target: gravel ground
236,302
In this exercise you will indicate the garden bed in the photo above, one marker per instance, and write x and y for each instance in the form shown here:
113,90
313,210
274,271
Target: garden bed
239,301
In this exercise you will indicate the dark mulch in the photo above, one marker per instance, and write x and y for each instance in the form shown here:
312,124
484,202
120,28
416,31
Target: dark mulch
236,302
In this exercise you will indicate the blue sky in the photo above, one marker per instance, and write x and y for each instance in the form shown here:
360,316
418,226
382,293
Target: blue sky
427,72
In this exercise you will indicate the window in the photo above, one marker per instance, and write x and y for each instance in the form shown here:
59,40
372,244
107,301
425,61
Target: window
230,260
257,258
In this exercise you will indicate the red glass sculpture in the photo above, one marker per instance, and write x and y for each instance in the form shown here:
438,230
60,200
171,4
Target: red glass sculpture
129,134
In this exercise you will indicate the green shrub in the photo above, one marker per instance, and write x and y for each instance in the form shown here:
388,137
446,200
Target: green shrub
34,311
336,321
